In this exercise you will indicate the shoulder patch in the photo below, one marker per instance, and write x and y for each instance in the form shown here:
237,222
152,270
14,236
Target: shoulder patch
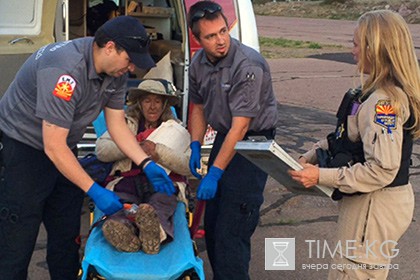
65,87
385,115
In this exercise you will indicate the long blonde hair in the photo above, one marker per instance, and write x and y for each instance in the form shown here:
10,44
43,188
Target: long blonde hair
387,49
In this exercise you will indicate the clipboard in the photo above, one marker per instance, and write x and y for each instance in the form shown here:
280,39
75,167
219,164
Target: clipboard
272,159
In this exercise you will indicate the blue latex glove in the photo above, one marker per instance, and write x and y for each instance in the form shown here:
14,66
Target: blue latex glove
195,159
208,186
159,179
106,200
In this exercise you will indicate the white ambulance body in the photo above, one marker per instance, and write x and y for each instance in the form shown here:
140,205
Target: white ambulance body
27,25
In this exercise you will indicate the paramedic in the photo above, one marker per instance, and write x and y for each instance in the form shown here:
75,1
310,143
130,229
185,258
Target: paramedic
376,199
58,91
230,86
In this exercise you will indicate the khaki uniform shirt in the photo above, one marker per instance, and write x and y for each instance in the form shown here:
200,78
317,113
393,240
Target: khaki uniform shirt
381,131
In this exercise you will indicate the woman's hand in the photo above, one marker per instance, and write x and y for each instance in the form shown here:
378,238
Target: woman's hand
149,148
308,176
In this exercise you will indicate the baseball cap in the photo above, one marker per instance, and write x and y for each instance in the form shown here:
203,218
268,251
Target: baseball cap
131,35
154,86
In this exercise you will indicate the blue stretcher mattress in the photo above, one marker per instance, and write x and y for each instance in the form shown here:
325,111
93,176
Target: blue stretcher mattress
172,261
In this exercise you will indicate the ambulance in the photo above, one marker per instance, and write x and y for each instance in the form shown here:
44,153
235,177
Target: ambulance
27,25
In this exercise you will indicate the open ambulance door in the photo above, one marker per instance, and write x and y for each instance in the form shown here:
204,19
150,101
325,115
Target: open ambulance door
25,26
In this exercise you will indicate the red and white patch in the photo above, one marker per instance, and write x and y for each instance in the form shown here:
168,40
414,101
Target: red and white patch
65,87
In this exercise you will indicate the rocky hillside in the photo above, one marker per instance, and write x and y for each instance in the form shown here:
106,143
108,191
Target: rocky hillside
337,9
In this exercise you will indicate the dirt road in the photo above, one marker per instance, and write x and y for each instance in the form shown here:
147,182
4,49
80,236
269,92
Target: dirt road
326,31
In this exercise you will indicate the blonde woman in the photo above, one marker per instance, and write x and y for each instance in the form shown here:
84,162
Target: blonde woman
373,143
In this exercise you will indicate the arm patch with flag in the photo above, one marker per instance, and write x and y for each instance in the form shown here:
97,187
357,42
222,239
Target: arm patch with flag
65,87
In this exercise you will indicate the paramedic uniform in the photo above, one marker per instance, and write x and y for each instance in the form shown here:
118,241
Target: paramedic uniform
238,85
378,202
58,84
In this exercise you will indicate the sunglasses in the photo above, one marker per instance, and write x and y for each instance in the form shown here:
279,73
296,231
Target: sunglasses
144,42
211,9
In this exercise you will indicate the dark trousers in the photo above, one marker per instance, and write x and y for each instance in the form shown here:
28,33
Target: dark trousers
231,217
32,191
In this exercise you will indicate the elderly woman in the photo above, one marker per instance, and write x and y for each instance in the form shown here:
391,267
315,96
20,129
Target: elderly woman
149,116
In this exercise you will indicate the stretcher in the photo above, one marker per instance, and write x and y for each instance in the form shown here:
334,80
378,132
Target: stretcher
175,260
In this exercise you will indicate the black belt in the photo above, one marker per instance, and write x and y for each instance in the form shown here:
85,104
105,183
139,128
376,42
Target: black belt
268,133
337,194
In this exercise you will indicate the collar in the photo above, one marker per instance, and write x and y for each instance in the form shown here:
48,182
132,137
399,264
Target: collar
90,64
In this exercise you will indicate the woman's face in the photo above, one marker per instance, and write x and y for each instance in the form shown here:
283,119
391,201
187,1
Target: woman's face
357,53
152,107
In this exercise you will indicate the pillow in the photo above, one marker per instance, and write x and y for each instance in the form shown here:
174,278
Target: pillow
163,70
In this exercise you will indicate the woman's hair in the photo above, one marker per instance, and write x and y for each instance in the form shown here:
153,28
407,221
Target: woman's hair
387,50
134,110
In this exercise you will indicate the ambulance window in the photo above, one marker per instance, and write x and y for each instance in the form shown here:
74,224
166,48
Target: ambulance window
21,17
96,2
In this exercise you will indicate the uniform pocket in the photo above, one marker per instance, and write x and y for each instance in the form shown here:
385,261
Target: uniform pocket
385,151
353,218
364,233
245,219
9,226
